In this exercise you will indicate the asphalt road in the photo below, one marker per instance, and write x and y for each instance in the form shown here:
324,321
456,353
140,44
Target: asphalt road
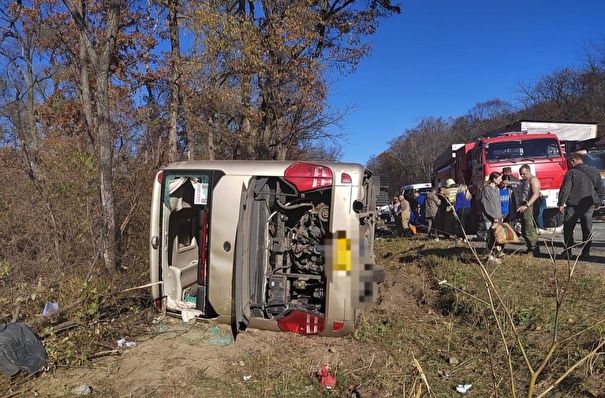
556,240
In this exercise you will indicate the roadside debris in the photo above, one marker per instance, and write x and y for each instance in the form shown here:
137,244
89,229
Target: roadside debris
463,388
326,378
122,343
20,349
49,308
188,311
82,390
444,374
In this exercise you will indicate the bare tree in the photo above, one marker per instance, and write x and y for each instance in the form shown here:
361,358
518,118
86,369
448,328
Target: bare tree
98,52
556,96
594,80
175,73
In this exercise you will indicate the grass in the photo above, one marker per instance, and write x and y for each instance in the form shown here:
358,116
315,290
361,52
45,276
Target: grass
528,290
432,329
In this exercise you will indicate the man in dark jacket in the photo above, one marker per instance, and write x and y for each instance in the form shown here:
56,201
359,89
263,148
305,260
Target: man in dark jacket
581,193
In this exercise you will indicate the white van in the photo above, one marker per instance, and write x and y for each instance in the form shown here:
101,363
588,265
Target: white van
422,188
271,245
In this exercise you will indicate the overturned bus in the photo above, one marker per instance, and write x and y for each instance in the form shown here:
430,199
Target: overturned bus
283,246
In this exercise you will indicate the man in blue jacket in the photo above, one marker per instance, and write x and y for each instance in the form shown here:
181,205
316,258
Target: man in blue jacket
581,193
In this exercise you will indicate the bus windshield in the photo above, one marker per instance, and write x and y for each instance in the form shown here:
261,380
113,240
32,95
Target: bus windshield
522,149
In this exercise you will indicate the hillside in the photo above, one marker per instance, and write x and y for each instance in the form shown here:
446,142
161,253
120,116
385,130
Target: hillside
430,328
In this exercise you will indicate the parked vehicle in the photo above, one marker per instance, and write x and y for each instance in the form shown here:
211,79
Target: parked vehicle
422,188
284,246
387,213
536,143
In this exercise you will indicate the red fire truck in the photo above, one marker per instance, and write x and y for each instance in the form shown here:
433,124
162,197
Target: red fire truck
542,152
537,143
473,162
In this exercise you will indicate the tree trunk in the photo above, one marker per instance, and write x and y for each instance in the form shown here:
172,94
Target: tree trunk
175,55
109,238
101,63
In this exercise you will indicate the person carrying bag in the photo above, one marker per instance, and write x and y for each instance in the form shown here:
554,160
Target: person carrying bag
504,233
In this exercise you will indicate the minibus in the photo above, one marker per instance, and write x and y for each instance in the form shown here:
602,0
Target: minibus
274,245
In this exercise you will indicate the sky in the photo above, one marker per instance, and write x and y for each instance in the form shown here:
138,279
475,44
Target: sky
442,57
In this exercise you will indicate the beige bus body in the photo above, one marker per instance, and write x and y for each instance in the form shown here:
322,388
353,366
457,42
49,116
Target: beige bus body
264,244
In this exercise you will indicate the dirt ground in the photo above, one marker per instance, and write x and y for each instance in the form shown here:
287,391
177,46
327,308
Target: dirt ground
163,362
177,359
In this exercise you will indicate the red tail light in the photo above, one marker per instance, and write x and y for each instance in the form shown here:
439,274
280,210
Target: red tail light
345,178
336,326
160,176
308,176
301,323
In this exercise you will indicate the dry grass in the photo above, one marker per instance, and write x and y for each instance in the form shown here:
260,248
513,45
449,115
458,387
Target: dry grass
431,330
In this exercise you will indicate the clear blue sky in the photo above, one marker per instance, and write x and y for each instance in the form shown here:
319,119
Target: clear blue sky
442,57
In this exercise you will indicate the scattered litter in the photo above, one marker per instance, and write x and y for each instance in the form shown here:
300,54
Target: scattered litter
219,337
246,378
189,298
20,349
443,282
160,327
444,374
49,307
463,388
122,343
453,361
82,390
188,311
326,378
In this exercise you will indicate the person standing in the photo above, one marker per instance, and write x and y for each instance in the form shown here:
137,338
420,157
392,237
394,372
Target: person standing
431,205
413,207
581,193
505,198
492,214
529,193
404,215
448,214
515,183
396,215
420,199
463,210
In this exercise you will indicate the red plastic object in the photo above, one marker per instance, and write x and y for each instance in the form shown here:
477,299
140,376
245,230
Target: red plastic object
326,378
